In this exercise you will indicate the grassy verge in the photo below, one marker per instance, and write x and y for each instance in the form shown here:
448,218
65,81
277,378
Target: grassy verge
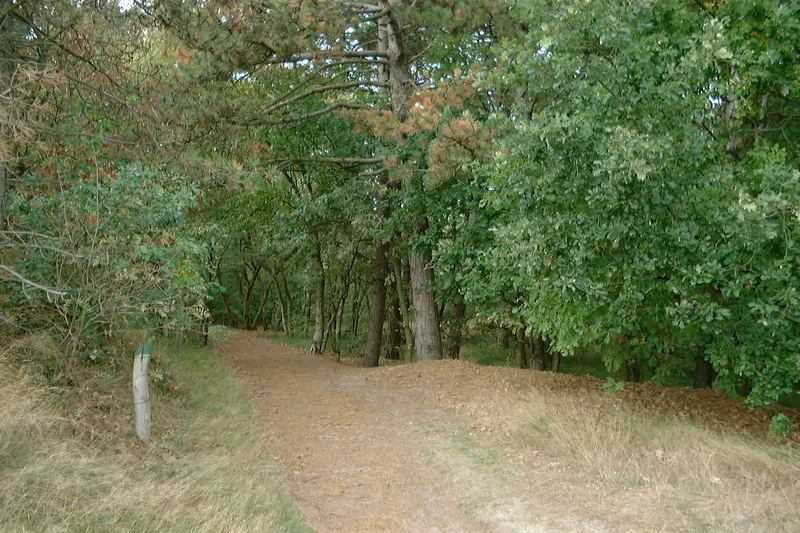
68,460
666,467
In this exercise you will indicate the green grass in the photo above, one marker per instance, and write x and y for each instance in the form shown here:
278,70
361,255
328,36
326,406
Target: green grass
486,350
69,461
349,346
588,364
296,341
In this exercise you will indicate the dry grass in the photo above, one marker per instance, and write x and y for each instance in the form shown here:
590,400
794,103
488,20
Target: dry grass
68,461
688,476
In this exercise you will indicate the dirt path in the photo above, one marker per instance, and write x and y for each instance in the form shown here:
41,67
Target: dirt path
412,447
362,453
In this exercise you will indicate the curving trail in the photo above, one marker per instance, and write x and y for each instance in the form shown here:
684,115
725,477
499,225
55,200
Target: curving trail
366,454
422,448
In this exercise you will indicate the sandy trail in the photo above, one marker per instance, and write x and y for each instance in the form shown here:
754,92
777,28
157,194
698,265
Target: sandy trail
420,448
362,453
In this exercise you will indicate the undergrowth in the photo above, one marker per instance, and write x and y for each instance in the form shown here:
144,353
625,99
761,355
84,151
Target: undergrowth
69,461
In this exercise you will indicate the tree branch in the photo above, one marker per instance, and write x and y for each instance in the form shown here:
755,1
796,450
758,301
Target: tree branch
323,89
378,56
364,8
25,281
324,111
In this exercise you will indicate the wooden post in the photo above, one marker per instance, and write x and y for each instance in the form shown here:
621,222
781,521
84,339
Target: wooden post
179,342
141,390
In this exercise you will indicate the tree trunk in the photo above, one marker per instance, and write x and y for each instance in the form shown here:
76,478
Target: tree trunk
141,391
319,309
555,361
521,349
456,328
703,371
394,334
633,371
401,87
284,303
354,313
248,294
427,338
539,353
329,328
377,305
337,335
405,314
261,304
228,311
505,337
307,312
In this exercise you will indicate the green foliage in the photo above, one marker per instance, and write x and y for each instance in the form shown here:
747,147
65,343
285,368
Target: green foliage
626,215
119,248
781,425
613,387
622,177
219,333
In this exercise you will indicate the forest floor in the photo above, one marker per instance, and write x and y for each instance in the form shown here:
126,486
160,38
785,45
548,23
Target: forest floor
453,446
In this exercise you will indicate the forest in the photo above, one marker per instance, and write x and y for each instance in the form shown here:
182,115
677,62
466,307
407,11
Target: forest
617,179
553,186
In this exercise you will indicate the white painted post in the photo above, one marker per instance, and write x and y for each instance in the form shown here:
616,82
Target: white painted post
141,390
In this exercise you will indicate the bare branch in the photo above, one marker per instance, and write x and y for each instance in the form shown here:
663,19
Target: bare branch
324,111
364,8
378,15
25,281
323,89
377,57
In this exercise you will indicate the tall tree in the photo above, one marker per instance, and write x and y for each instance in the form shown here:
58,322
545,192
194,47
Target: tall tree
339,54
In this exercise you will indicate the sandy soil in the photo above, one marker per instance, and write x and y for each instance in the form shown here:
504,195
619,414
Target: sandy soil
393,448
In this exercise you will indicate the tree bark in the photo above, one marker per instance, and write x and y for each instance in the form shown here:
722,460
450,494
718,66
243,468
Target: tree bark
248,293
307,312
284,303
401,86
427,338
377,305
456,328
555,360
505,337
405,314
355,313
703,371
261,304
633,371
539,353
319,308
141,390
394,325
229,317
337,335
521,349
